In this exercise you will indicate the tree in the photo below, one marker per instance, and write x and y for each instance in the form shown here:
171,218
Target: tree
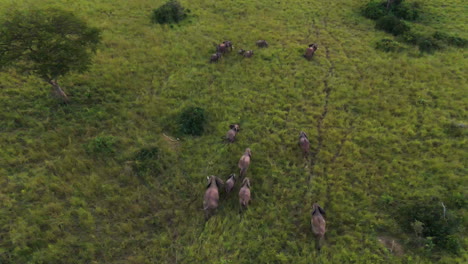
49,43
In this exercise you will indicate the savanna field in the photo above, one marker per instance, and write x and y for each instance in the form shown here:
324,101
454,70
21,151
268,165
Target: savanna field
110,178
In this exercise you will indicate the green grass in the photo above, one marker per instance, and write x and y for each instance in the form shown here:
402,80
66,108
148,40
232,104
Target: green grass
380,124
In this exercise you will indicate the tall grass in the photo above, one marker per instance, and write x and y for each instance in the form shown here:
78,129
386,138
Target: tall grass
377,123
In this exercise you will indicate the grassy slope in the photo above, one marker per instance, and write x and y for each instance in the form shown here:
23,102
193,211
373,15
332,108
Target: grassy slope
377,120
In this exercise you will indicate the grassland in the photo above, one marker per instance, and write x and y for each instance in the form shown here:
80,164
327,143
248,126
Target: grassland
382,127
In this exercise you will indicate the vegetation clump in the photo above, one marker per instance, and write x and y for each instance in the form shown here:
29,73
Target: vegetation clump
101,145
390,16
398,8
429,44
389,45
146,161
456,129
374,10
434,223
406,11
450,40
170,12
192,121
392,25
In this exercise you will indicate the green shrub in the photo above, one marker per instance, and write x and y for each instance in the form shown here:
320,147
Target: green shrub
429,44
192,121
450,40
438,226
389,45
406,11
392,25
410,37
456,129
374,10
146,161
170,12
101,145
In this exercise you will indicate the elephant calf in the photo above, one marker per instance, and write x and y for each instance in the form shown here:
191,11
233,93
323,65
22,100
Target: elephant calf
215,57
211,199
231,134
304,143
229,185
246,53
262,44
244,162
310,51
318,224
244,193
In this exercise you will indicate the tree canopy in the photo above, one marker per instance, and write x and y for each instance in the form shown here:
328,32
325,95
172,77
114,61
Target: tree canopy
49,42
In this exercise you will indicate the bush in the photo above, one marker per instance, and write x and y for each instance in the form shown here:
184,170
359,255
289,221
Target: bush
456,129
429,44
437,226
389,45
392,25
406,11
170,12
101,145
450,40
192,120
374,10
146,161
410,37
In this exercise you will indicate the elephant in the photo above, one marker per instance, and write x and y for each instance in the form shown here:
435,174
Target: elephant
215,57
262,44
224,47
228,45
304,143
230,182
244,194
310,51
318,224
231,134
211,198
246,53
244,162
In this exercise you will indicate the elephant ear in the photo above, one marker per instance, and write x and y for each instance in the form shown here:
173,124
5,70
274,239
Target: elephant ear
321,210
209,182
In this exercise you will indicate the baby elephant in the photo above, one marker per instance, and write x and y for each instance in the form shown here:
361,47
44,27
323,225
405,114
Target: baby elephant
211,199
310,51
246,53
262,43
244,162
318,224
244,194
231,181
215,57
231,134
304,143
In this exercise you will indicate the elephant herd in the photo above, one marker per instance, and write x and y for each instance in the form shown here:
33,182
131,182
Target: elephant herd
226,46
211,199
215,184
